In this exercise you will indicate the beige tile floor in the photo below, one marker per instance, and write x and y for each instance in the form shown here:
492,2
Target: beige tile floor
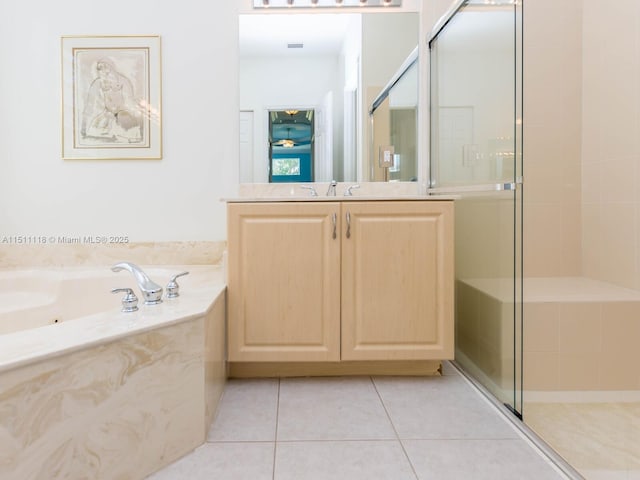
600,440
355,428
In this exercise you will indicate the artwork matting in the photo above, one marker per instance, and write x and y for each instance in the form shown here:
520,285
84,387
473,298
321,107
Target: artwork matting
111,97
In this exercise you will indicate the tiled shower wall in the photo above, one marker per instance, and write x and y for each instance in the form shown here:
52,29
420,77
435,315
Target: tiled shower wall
581,149
610,145
552,113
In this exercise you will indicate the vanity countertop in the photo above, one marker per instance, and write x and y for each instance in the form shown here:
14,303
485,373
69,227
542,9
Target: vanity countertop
342,198
361,192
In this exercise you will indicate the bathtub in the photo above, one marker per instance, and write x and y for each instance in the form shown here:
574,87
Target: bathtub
87,391
32,299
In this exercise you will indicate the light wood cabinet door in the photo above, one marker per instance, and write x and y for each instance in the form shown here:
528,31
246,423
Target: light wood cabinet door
284,281
397,280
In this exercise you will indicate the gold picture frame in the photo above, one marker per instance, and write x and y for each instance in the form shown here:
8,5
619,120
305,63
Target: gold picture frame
111,97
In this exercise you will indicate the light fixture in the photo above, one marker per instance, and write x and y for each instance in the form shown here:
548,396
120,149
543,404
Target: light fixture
291,112
286,142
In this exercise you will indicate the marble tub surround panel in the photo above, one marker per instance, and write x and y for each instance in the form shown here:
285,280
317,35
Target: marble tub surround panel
367,189
58,253
215,367
118,410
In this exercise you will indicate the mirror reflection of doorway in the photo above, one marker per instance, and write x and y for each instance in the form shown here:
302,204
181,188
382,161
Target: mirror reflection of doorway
291,145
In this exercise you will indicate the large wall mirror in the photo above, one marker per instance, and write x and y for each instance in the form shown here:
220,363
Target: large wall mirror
328,65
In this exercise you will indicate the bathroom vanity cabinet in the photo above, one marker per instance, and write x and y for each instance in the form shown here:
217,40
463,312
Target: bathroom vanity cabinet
335,281
283,282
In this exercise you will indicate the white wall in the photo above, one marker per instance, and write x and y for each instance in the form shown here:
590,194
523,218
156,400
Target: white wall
176,198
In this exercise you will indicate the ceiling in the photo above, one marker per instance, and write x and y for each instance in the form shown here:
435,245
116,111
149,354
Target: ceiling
269,34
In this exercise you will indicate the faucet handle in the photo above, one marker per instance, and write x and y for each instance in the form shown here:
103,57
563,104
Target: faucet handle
173,289
348,193
311,188
130,301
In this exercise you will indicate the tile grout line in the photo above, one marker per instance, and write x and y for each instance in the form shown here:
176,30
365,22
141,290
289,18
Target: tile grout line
275,439
333,440
406,455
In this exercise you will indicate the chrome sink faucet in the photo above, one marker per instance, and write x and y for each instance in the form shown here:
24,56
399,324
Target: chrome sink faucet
151,291
331,191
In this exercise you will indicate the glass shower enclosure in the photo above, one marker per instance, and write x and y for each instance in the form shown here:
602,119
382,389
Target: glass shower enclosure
476,154
558,345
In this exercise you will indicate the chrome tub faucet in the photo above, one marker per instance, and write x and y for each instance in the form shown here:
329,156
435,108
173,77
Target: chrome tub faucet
151,291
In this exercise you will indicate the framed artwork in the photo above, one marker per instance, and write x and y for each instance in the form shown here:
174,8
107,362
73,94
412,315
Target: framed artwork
111,97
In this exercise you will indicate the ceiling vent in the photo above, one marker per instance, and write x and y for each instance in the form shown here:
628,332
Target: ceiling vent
295,45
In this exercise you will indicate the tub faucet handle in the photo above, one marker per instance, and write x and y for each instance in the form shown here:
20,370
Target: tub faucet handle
130,301
173,289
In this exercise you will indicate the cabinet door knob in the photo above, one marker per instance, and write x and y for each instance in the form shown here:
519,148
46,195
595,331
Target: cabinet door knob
348,225
334,220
